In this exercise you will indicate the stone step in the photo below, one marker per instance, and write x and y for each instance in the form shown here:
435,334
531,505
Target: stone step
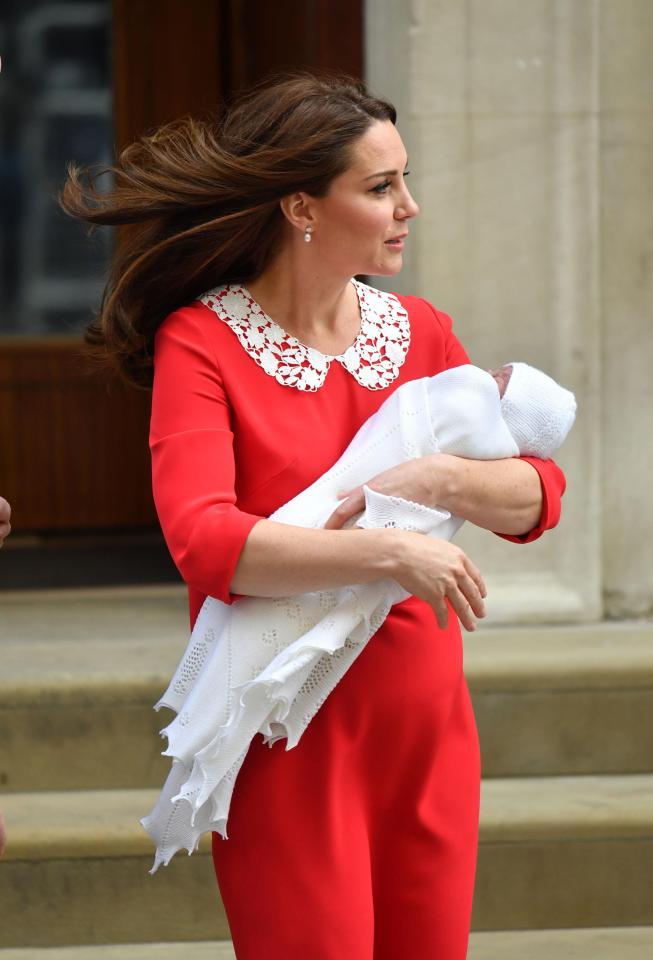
76,872
563,700
82,669
627,943
565,852
554,852
602,943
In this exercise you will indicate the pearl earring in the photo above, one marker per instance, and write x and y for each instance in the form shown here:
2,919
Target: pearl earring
308,230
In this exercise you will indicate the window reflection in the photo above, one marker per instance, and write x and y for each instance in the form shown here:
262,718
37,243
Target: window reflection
55,107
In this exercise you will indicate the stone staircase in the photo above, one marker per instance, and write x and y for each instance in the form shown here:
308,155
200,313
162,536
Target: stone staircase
566,844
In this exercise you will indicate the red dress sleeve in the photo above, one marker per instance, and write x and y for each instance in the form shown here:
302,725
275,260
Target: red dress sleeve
553,483
193,470
552,479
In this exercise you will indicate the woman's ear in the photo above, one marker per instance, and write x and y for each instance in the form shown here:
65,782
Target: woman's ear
297,210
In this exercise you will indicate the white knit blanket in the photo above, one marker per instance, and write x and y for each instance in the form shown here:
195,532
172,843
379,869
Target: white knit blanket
266,665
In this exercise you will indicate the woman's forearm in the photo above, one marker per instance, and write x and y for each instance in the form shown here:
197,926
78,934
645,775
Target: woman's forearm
279,560
500,495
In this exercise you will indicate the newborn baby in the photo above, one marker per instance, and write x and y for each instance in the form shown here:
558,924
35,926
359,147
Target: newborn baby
265,665
528,415
538,412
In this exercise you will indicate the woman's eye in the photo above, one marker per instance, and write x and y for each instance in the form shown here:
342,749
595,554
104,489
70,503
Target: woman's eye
382,187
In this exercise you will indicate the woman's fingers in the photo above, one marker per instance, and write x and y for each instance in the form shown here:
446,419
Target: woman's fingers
466,595
345,510
441,610
472,594
463,609
466,600
476,575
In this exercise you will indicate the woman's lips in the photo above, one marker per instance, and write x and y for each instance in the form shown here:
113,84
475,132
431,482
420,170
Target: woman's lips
395,244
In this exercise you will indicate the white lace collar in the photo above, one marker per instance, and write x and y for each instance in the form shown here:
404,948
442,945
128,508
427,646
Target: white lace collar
373,359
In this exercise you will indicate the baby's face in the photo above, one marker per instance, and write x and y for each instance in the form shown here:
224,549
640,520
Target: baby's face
502,376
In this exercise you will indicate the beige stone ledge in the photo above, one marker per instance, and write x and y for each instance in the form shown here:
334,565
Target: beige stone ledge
105,823
627,943
602,655
526,809
124,643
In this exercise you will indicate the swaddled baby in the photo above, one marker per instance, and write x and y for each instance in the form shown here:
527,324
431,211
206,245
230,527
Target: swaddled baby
528,415
265,665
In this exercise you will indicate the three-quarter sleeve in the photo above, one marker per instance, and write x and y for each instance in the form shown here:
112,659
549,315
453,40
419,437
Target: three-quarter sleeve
193,471
552,479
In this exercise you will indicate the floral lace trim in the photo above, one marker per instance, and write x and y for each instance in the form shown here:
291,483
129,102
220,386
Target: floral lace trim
374,359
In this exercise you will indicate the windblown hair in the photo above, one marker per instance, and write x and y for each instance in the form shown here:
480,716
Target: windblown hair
205,194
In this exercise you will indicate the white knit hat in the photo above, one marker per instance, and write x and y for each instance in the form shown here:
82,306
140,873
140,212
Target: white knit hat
538,411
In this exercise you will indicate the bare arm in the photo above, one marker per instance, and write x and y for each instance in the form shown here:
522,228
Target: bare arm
500,495
279,559
504,496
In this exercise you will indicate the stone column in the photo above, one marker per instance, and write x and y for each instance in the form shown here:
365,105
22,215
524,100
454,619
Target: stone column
499,108
626,36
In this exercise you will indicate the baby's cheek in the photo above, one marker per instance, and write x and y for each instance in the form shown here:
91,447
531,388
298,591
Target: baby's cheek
502,377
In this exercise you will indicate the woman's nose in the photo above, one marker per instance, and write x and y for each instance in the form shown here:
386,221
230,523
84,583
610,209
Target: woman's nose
408,208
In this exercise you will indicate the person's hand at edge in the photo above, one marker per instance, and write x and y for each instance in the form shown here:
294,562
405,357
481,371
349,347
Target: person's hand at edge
5,516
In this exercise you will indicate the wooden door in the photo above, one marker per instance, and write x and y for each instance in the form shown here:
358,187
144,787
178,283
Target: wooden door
73,441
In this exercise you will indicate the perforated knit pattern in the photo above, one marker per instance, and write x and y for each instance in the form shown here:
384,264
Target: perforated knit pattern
194,662
382,510
374,358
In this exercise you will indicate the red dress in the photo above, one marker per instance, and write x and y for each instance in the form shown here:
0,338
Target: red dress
359,843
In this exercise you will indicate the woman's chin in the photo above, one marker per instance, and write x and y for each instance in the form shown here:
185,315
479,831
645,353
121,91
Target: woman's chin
390,269
384,267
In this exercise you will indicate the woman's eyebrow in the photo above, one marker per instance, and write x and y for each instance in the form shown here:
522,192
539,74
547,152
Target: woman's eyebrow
385,173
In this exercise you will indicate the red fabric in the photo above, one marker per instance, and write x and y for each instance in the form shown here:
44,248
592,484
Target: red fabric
229,444
370,823
553,483
383,864
193,471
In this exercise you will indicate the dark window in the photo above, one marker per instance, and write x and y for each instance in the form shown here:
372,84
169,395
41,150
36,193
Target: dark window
55,107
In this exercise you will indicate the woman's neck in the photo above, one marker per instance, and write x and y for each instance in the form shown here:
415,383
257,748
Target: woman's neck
306,301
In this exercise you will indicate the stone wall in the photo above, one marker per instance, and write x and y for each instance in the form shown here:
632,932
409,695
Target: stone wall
528,130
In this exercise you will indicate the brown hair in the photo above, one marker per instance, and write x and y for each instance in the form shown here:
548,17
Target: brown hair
205,194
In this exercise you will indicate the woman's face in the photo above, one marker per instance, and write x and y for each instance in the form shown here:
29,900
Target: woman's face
356,224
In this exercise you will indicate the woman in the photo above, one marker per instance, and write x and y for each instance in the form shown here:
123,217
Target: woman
236,295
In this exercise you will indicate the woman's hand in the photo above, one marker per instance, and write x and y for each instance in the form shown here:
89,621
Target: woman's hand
500,495
414,480
432,569
437,571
